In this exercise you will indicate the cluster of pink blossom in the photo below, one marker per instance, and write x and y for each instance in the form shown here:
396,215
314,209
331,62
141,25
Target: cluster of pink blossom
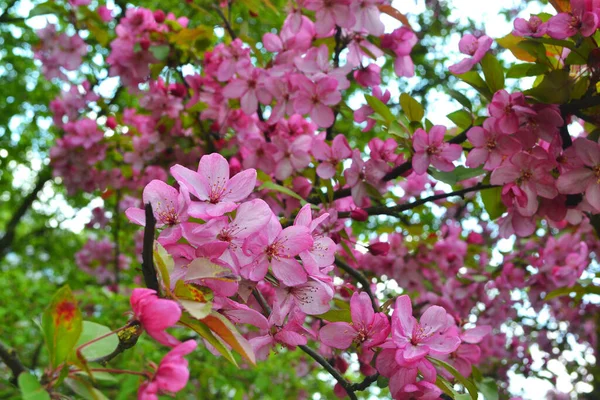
59,50
97,258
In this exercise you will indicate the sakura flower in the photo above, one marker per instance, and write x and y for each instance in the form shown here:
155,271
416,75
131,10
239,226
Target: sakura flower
534,27
367,14
363,113
507,108
322,252
171,375
211,185
367,328
330,156
586,178
580,20
169,207
401,41
315,99
330,13
312,297
291,155
249,89
490,146
415,339
277,247
473,47
155,314
430,148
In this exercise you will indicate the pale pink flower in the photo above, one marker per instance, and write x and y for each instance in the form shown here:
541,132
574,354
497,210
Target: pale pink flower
315,99
430,148
475,48
330,157
329,13
322,252
490,146
249,88
367,15
585,179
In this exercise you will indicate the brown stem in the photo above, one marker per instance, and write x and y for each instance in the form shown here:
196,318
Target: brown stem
147,252
12,361
360,278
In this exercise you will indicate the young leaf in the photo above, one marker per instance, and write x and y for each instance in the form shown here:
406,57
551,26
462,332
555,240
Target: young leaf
461,98
462,119
413,110
336,316
492,202
160,52
164,264
489,388
459,174
203,330
101,348
31,388
197,300
62,325
380,108
223,328
474,79
493,72
282,189
522,70
470,386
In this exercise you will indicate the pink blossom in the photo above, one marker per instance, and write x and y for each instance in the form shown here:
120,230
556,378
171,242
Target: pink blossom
490,146
315,99
586,178
155,314
508,108
330,13
534,27
415,339
368,329
368,76
211,185
248,87
292,156
579,20
367,14
171,375
473,47
322,252
430,148
105,13
330,157
401,41
363,113
312,297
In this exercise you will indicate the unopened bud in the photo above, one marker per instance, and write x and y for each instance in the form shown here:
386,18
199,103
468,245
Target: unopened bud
159,16
358,214
379,248
111,122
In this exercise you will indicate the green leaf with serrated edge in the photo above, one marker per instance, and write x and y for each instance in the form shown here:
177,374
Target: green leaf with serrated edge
380,108
459,174
102,347
62,325
413,110
461,98
31,388
492,200
201,329
223,328
475,80
523,70
493,72
282,189
462,119
488,387
336,316
469,385
165,265
197,300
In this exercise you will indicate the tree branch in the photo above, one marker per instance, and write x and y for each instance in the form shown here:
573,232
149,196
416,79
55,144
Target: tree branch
360,278
147,252
226,23
12,361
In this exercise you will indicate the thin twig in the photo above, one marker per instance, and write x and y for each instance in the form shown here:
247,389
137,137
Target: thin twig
360,278
147,252
225,22
12,361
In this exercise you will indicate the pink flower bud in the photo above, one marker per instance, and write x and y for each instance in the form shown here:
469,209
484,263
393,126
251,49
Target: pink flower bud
358,214
111,122
159,16
379,248
335,236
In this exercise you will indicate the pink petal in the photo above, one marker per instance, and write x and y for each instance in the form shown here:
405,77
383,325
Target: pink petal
240,186
338,335
361,309
193,181
288,271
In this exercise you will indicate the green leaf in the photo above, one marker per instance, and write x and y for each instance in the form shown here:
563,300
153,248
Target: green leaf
459,174
555,88
536,50
511,43
62,325
84,389
380,108
522,70
282,189
413,110
577,289
223,328
203,330
47,7
165,265
461,98
31,388
160,52
469,385
475,80
197,300
336,316
101,348
203,268
493,72
492,202
462,119
489,388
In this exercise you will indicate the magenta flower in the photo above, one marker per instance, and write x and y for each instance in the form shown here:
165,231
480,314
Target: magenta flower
508,108
586,178
363,113
415,339
473,47
430,148
534,27
211,185
322,252
277,247
315,99
292,155
368,329
329,13
155,314
249,88
401,41
171,375
579,20
169,207
289,334
367,15
330,157
490,146
312,297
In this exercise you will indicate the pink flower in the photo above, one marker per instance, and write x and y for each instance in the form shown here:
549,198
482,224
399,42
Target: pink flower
155,314
415,339
580,20
329,13
211,185
473,47
508,108
312,297
291,155
249,89
367,14
277,247
322,252
363,113
586,178
315,99
330,156
534,27
490,146
105,13
368,76
430,148
169,207
171,375
367,328
401,41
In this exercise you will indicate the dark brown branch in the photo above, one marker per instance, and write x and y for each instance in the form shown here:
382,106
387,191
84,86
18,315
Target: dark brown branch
580,104
147,252
358,277
9,232
226,23
12,361
368,381
395,210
